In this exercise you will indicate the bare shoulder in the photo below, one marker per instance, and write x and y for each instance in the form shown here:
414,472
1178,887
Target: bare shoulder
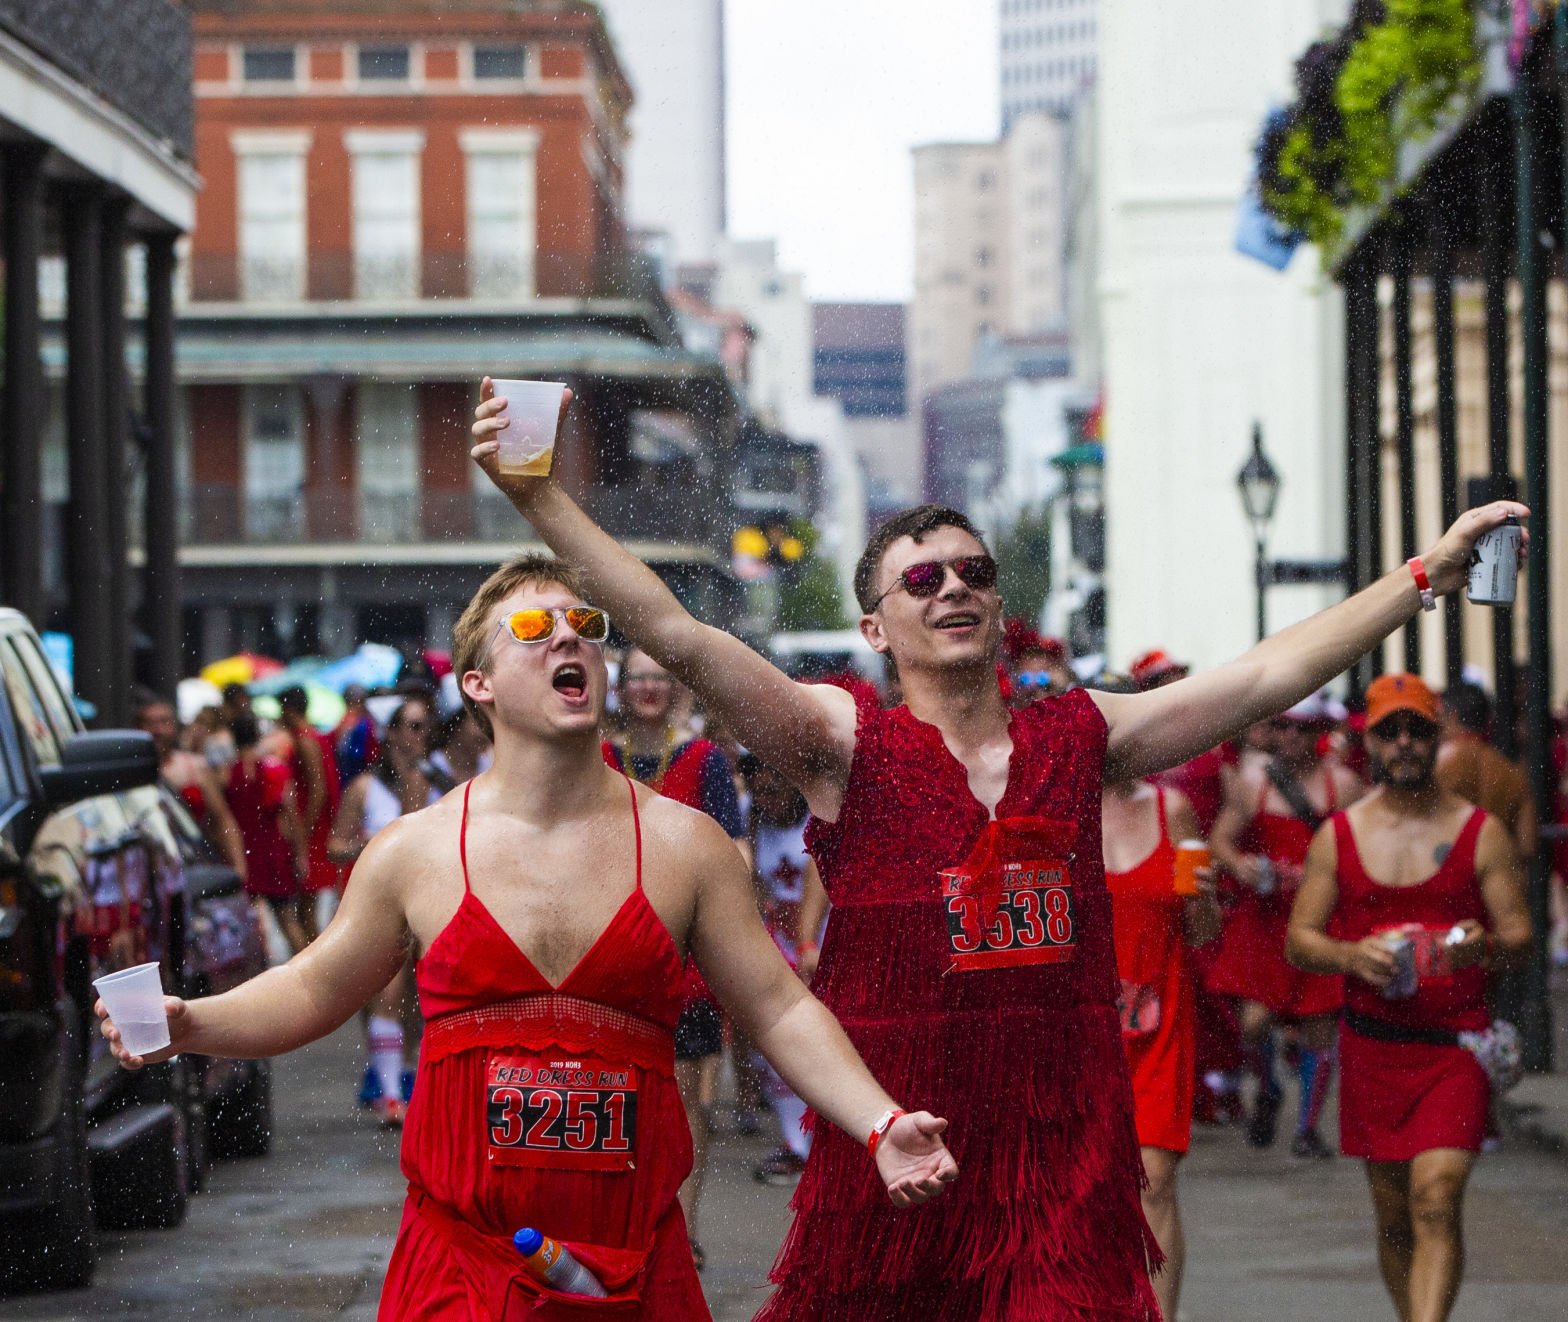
672,831
1247,785
1348,786
409,845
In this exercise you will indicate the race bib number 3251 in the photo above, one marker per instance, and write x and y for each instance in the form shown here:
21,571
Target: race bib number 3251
560,1112
1017,914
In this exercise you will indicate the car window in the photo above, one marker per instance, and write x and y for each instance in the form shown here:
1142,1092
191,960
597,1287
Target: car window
8,790
32,717
47,682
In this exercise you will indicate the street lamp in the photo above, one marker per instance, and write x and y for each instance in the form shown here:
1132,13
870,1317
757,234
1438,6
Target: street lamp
1259,484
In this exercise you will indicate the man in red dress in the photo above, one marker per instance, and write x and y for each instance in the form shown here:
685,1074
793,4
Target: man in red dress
1270,811
551,903
1415,864
970,947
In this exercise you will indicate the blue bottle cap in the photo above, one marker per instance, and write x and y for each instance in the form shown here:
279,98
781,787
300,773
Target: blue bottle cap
527,1241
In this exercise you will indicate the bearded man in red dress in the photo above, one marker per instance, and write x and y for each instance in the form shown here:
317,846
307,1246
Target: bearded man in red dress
970,949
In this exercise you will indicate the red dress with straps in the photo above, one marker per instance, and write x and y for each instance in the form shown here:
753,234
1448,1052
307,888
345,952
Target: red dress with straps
1398,1099
552,1107
1159,1027
986,994
1250,962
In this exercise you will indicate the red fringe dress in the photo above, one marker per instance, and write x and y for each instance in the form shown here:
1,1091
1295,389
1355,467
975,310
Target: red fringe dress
1159,1025
1399,1099
1024,1059
592,1153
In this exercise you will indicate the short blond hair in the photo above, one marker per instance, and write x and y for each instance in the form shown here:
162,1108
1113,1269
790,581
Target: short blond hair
472,633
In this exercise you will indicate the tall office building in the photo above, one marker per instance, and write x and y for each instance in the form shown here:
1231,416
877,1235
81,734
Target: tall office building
988,247
1048,52
673,54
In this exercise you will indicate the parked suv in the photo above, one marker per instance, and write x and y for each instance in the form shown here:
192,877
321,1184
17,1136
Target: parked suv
94,857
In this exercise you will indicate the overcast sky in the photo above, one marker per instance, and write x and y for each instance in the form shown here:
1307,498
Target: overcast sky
825,99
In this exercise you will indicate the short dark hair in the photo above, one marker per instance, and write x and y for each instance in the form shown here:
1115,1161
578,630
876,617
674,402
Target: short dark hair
914,523
246,730
1470,706
293,699
234,691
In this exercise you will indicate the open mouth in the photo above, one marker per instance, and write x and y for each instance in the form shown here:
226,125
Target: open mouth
958,620
570,681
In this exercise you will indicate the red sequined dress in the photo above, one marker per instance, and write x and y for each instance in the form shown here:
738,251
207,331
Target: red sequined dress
992,1005
551,1107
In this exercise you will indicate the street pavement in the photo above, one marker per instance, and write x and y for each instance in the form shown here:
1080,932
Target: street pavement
305,1232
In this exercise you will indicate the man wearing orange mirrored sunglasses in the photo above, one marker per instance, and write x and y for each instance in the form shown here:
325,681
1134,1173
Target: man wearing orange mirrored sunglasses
552,904
970,948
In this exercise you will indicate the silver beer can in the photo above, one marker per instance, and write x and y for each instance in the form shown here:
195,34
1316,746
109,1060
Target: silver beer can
1494,565
1268,879
1403,985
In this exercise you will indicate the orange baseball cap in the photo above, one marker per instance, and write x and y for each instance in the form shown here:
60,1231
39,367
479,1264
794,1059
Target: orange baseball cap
1399,692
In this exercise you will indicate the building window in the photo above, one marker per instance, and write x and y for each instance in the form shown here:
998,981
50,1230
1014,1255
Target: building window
385,196
501,211
499,62
387,461
274,463
383,63
269,64
271,184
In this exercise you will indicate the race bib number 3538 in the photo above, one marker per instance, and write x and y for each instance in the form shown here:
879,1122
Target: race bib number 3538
1017,914
561,1113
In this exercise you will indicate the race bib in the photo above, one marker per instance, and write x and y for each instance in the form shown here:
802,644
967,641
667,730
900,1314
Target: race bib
1139,1007
1012,914
561,1113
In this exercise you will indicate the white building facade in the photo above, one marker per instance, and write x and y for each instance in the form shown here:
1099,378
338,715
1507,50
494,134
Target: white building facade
1199,341
1048,53
673,53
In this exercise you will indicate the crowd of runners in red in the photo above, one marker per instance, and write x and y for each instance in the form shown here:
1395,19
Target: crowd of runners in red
975,872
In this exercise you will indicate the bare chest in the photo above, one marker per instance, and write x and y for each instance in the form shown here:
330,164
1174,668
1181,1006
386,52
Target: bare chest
1404,852
555,900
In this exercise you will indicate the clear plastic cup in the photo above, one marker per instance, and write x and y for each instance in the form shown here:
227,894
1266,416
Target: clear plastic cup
134,999
533,408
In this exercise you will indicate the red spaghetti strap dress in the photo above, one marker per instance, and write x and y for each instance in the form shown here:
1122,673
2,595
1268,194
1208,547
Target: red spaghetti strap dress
1159,1029
324,873
971,963
1397,1099
256,800
1250,963
551,1107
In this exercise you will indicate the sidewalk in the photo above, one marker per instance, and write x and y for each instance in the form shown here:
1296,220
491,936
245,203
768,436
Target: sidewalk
1537,1109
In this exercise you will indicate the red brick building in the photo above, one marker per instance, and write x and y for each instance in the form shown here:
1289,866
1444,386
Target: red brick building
400,196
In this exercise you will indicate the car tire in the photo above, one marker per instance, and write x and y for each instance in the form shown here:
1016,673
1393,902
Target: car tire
56,1247
240,1122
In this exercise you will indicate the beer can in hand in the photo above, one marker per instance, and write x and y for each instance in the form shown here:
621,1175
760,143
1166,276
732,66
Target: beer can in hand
1494,565
1403,985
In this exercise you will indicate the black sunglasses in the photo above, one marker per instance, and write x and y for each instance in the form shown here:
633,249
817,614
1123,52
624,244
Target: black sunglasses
1391,727
926,578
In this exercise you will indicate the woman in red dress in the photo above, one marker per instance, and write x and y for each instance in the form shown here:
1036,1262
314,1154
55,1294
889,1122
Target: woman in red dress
261,797
1142,825
1261,840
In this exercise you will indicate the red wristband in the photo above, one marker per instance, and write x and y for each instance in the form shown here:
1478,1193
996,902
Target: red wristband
881,1127
1423,585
